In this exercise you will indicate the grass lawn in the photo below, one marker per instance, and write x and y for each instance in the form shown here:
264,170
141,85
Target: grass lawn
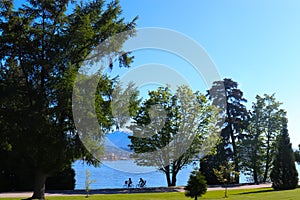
249,194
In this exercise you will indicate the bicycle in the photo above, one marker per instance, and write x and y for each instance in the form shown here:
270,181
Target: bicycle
126,185
141,185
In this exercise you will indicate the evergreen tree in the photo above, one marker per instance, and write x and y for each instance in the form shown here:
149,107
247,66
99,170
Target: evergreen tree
236,119
42,45
284,174
196,185
297,155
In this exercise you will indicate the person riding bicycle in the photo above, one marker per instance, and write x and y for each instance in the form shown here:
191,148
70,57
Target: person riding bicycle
142,182
129,182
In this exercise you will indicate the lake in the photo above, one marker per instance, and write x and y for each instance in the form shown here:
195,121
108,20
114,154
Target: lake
112,174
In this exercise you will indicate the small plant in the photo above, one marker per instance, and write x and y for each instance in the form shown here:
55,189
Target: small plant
225,175
88,182
196,185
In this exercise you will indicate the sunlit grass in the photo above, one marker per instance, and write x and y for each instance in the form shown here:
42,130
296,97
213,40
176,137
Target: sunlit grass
245,194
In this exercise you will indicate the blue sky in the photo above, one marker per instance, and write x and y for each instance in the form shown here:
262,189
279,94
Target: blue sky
254,42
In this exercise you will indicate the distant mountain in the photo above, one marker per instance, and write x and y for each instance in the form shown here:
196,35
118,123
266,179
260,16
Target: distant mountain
119,140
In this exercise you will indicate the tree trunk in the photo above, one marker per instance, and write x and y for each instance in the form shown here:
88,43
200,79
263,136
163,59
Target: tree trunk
267,159
167,172
234,147
39,185
235,156
255,177
173,183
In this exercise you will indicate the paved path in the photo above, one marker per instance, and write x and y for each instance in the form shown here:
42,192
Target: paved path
125,191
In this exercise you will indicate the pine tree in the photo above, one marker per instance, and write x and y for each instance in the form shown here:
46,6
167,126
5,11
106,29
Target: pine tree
226,94
196,186
42,46
284,174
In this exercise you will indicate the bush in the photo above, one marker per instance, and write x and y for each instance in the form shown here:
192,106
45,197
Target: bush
64,180
196,185
22,180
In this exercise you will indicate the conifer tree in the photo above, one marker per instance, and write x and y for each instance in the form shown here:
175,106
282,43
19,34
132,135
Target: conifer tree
284,174
42,46
196,186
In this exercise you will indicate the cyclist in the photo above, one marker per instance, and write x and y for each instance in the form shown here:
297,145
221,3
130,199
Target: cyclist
129,182
142,182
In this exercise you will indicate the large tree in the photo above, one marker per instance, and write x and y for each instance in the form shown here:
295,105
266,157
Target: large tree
284,174
236,119
258,148
42,46
170,130
252,153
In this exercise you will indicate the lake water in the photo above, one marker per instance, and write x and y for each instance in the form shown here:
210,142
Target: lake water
112,174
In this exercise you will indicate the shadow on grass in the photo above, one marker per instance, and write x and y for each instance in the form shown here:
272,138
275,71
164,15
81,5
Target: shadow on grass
256,192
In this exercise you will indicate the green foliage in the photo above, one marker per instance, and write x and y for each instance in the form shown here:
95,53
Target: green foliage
169,130
42,46
284,174
297,155
259,145
226,174
196,185
88,182
236,119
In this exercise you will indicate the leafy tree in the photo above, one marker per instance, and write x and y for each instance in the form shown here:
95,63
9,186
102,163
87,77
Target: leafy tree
236,118
258,148
284,174
272,115
196,185
252,153
42,46
252,156
170,130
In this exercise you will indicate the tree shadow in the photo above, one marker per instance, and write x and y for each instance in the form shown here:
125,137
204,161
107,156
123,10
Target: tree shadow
256,192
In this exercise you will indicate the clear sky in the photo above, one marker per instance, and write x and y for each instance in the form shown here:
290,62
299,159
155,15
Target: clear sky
254,42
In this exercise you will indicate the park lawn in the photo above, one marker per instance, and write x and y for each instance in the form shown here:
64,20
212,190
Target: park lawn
249,194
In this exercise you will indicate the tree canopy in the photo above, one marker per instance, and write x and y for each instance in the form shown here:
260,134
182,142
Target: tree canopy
258,147
42,46
170,130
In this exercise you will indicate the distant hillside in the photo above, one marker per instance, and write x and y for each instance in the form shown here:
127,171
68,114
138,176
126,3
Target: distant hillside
116,146
119,140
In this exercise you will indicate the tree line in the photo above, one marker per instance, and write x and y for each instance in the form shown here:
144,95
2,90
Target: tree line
43,45
249,140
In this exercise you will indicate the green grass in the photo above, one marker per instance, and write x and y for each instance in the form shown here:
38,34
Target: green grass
249,194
